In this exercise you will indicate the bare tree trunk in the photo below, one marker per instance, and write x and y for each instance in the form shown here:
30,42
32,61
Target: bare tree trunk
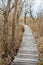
5,27
25,18
5,34
14,27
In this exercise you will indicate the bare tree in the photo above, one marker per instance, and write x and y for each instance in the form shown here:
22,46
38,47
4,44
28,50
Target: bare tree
18,6
5,27
5,11
15,22
28,9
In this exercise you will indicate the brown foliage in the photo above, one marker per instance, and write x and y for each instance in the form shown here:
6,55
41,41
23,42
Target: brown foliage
37,27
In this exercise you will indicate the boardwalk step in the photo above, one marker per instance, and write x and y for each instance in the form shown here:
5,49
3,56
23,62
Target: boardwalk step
24,63
30,56
27,49
25,60
30,52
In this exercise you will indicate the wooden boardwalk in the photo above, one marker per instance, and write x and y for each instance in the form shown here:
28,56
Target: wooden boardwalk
28,52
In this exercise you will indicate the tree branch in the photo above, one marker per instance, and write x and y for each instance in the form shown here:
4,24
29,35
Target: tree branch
1,9
10,9
3,3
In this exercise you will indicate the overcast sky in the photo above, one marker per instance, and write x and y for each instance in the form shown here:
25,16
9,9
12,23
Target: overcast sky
37,6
